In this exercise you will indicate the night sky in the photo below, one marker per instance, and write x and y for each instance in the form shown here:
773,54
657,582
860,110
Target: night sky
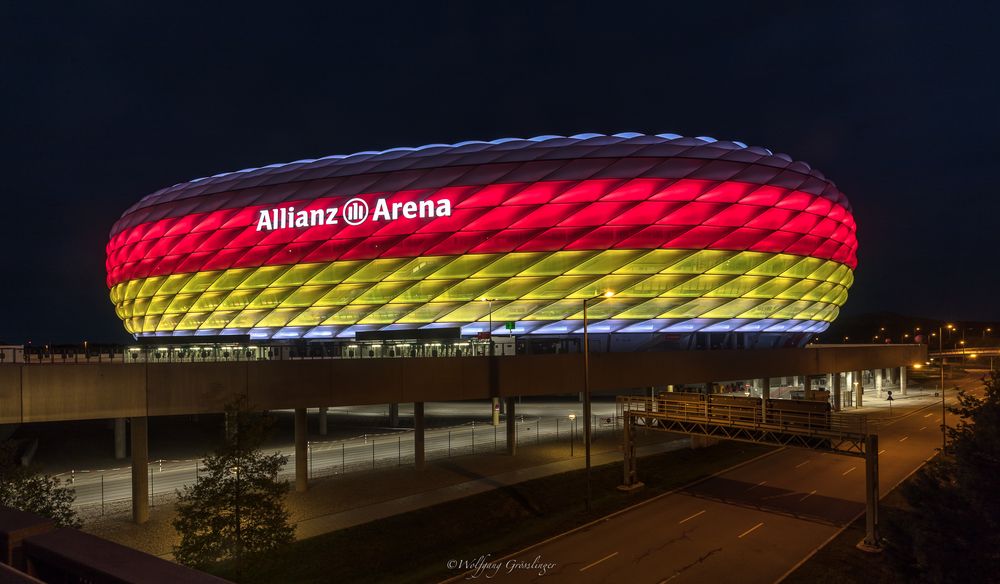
104,104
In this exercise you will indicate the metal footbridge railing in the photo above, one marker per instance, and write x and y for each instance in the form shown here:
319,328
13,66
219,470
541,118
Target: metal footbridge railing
777,422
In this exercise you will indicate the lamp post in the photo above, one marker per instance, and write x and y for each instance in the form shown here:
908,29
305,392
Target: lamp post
572,433
586,389
944,432
490,331
495,405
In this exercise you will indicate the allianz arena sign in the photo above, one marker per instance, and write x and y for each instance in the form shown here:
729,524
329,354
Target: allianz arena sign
354,212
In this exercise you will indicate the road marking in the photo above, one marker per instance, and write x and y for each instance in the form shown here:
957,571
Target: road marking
811,493
903,439
760,484
690,518
928,415
844,474
803,463
924,428
881,451
607,557
751,530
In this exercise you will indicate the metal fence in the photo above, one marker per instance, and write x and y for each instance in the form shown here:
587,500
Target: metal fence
108,491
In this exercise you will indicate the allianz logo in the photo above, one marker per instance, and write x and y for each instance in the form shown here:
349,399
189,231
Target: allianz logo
354,212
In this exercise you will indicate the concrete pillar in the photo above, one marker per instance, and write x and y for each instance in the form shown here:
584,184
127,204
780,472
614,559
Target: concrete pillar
393,415
872,539
902,380
796,381
835,389
322,421
765,394
495,411
140,470
878,383
418,435
301,451
859,389
511,428
230,424
119,438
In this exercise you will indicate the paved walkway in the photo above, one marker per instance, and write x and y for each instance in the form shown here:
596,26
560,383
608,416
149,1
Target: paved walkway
357,516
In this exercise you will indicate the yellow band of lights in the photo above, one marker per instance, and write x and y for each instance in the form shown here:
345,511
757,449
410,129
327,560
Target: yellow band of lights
525,286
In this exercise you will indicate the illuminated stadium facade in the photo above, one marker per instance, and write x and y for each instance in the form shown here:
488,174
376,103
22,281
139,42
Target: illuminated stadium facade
688,236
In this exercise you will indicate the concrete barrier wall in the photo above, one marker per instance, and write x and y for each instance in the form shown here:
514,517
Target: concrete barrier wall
73,392
38,393
10,394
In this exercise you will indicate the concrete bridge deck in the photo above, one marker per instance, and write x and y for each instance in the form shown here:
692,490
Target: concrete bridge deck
80,391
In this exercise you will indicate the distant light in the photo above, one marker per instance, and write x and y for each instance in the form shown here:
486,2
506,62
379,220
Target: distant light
609,294
917,365
972,356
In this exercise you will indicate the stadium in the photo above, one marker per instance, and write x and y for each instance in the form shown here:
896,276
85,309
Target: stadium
682,242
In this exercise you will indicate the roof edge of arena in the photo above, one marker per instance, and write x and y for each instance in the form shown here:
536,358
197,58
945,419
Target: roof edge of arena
367,155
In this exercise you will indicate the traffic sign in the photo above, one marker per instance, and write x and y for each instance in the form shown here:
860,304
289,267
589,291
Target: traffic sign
509,325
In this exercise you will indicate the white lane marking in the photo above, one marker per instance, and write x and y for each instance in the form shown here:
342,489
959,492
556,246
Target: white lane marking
881,451
607,557
690,518
844,474
903,439
811,493
751,530
760,484
924,428
803,463
928,415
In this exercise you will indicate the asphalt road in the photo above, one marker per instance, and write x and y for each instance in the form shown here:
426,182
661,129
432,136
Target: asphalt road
751,524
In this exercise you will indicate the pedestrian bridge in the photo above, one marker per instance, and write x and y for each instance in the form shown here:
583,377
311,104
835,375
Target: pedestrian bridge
43,392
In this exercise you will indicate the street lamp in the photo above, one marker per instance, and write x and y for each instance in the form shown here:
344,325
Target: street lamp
586,388
490,331
944,433
572,433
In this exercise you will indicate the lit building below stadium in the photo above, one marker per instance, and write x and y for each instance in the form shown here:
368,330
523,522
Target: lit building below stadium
669,236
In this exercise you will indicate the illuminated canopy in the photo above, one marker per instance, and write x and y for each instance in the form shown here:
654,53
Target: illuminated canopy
691,234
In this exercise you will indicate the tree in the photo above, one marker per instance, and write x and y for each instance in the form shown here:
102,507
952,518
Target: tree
952,530
23,488
236,507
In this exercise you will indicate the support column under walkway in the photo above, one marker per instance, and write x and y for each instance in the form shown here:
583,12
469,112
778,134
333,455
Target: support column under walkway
511,428
322,421
119,438
301,451
140,470
394,415
418,435
765,394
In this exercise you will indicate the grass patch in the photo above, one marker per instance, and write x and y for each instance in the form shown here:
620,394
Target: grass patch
414,546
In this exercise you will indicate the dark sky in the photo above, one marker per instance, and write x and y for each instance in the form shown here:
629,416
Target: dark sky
104,104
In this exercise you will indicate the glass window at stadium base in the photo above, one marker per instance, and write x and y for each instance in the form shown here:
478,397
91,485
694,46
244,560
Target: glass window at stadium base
695,239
